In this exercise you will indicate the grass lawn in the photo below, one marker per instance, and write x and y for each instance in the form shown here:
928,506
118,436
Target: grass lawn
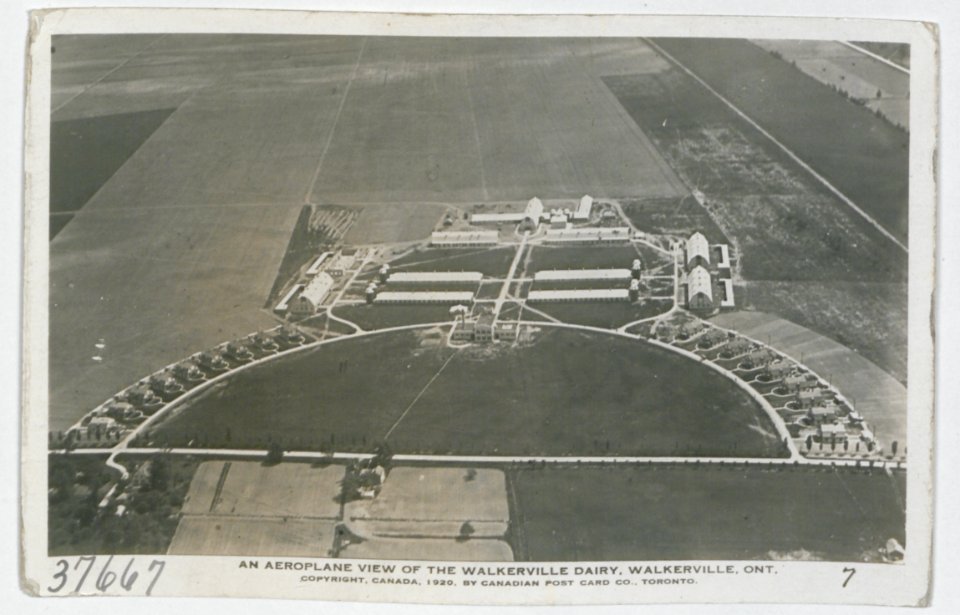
568,392
858,152
672,512
86,152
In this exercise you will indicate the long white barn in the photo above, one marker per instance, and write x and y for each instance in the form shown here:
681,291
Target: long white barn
581,274
436,297
592,294
434,277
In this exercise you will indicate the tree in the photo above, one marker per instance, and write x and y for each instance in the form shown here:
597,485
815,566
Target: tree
893,447
466,530
274,453
809,442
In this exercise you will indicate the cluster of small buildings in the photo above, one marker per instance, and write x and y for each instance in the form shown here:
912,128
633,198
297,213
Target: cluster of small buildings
304,299
707,281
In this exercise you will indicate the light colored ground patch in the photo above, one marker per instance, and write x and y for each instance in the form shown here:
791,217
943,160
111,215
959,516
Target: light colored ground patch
476,550
433,502
856,73
877,395
253,537
250,488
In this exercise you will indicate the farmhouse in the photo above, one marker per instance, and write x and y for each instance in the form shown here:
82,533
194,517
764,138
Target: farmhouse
588,235
592,294
434,297
583,210
434,277
312,296
581,274
822,414
697,251
463,238
699,289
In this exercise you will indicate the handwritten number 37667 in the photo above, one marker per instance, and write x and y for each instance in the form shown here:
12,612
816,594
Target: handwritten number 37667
106,578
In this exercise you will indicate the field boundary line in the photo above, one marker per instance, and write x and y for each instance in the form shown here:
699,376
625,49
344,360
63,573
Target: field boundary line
502,459
875,56
336,121
420,394
94,84
820,178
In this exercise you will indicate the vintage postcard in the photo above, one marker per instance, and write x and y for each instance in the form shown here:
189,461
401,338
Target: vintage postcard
478,309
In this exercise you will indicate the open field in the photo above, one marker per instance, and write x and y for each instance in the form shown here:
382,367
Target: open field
877,395
470,120
881,87
434,503
253,537
248,508
197,220
862,155
626,397
86,152
818,261
252,489
704,513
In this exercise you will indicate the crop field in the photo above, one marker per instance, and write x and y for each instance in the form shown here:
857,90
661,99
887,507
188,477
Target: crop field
253,537
880,87
435,503
75,172
396,222
626,397
859,153
470,120
251,489
664,512
248,508
581,257
677,216
488,261
800,250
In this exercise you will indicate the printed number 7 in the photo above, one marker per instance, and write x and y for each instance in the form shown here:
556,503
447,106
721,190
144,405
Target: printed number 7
852,572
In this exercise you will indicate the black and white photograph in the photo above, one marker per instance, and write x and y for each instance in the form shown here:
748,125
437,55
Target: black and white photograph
622,308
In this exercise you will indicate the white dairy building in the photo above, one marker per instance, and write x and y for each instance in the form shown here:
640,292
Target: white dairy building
549,275
463,238
592,294
313,294
436,297
434,277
